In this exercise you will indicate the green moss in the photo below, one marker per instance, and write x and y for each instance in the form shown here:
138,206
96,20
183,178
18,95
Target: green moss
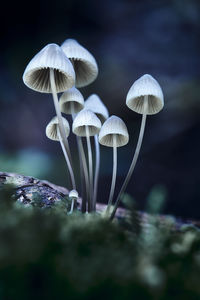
47,254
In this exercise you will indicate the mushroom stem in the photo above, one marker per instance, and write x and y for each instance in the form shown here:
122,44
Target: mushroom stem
90,169
67,160
114,174
96,176
135,157
58,113
85,172
72,207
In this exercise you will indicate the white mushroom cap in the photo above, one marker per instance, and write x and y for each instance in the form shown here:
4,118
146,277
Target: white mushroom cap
145,86
73,194
113,126
84,63
51,129
95,104
71,96
86,118
36,75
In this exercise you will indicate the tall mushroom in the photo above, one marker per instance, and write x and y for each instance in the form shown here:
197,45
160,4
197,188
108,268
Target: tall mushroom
84,63
50,71
95,104
71,102
113,134
53,133
144,97
87,124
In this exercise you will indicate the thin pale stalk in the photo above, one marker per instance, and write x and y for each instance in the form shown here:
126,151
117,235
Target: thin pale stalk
72,207
83,167
90,169
135,157
96,176
58,113
67,160
85,172
114,175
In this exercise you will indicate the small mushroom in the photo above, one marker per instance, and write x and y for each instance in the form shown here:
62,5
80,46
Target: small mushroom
144,97
53,133
71,101
145,89
113,134
73,195
87,124
84,63
50,71
95,104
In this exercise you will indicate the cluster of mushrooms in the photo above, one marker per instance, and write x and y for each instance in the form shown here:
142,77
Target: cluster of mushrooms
63,69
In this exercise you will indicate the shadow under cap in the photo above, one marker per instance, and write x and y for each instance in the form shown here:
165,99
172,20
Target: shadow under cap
86,118
145,86
95,104
37,73
51,129
114,126
84,63
71,96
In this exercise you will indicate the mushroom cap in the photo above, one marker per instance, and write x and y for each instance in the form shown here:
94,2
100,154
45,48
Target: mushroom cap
113,126
73,194
51,129
71,96
145,86
95,104
36,75
84,63
86,118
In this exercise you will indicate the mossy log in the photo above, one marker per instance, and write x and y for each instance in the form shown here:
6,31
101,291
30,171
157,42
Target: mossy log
26,188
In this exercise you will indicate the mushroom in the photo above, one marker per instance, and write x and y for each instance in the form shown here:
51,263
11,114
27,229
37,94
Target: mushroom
95,104
53,133
113,134
87,124
73,195
144,97
71,102
84,63
50,71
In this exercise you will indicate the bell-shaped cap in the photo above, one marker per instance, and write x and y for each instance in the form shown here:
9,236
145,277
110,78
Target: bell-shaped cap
84,63
95,104
71,101
36,75
86,118
73,194
114,130
145,86
52,127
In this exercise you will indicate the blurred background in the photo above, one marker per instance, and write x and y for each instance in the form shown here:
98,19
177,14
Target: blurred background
128,39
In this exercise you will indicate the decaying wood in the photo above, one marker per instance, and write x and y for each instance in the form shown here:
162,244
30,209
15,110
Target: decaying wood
27,187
